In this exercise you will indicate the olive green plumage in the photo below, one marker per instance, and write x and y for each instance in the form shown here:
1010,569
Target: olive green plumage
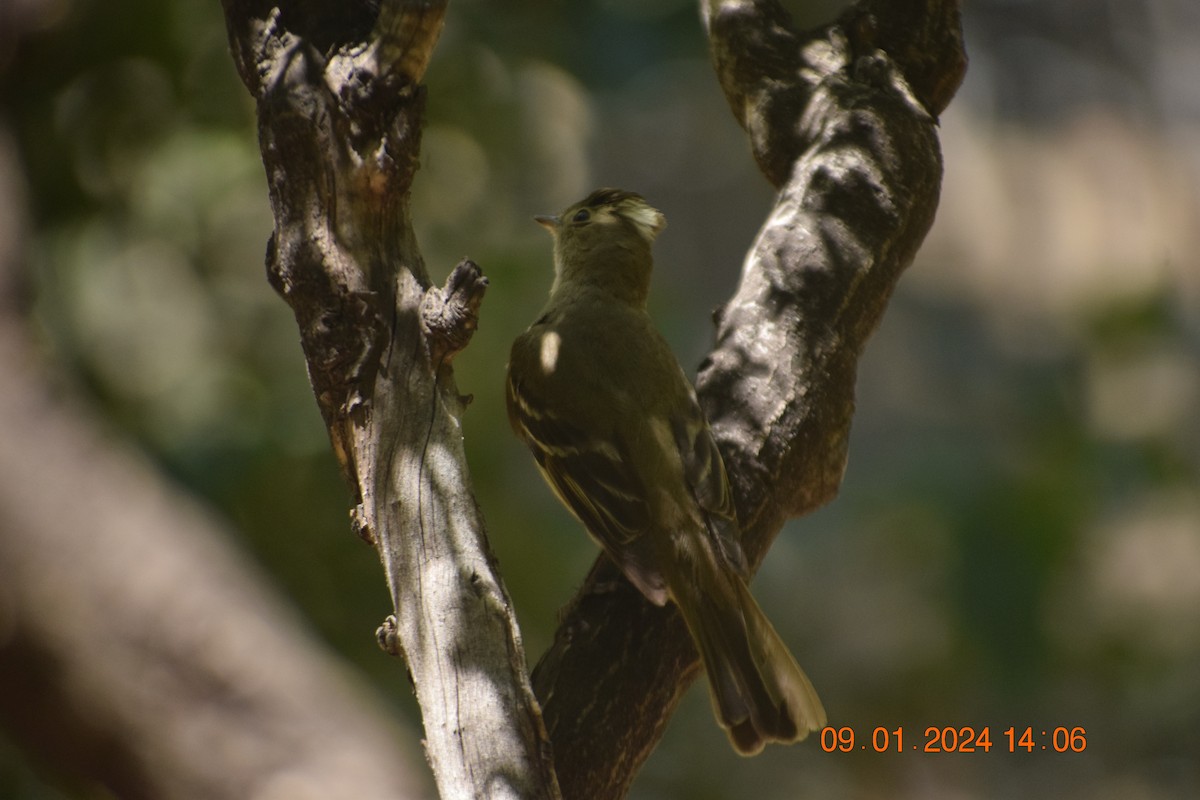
616,431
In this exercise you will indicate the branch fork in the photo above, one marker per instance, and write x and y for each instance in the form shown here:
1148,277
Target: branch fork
841,120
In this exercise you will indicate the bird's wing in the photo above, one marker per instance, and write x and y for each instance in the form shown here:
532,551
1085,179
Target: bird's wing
592,477
704,472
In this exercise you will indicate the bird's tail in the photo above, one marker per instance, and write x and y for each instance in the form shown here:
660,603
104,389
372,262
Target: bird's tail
759,692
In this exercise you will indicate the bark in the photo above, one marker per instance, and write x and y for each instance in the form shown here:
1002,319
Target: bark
340,109
842,121
140,655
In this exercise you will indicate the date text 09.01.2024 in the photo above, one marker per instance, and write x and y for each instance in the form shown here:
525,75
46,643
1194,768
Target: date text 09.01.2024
964,739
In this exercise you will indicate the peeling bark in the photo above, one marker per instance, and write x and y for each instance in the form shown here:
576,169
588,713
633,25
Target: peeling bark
340,110
841,120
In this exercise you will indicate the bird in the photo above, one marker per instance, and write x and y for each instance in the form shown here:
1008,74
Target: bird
616,430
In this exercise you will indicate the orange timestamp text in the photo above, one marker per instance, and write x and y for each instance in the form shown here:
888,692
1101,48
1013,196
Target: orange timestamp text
947,739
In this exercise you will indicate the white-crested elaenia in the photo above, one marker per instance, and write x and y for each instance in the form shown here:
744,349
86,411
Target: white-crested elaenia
616,430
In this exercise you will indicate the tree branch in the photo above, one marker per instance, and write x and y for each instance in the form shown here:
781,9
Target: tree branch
850,142
340,110
133,635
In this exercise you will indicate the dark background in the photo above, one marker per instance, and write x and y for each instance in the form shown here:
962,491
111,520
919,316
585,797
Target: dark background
1017,541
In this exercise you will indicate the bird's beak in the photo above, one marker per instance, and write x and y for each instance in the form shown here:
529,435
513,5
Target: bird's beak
547,221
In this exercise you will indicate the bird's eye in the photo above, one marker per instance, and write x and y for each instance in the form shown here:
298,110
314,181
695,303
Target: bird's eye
582,215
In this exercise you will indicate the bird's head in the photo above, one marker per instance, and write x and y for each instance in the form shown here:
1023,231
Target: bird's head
604,240
606,214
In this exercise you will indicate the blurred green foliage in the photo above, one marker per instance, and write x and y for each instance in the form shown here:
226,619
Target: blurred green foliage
1017,541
